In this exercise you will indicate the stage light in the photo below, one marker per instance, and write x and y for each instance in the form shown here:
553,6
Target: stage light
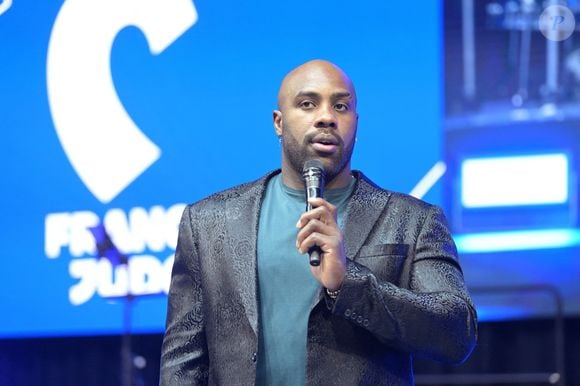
515,180
517,240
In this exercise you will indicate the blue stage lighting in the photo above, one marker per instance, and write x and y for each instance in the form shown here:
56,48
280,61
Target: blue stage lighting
518,240
515,181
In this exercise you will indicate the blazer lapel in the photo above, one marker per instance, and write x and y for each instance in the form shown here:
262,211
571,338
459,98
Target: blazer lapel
362,212
242,218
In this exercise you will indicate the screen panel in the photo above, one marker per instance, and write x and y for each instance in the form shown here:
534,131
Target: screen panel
118,113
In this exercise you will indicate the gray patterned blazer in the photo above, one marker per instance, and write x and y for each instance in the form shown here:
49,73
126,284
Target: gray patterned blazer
403,294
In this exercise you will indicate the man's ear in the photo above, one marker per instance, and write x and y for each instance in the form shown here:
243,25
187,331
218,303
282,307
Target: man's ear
277,118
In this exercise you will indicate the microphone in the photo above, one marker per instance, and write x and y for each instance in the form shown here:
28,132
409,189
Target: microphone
313,174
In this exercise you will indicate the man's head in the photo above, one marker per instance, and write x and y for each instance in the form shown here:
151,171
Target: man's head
316,118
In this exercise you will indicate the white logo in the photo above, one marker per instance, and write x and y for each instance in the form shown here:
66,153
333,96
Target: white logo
5,5
101,141
149,236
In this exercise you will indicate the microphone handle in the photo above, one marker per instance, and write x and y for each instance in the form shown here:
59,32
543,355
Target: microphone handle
314,252
314,255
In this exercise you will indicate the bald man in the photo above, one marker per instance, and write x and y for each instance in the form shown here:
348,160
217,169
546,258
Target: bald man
245,306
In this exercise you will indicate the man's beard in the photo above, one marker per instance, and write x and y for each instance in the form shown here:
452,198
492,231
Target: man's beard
297,154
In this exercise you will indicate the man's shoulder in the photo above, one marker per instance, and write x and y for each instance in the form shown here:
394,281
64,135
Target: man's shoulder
408,201
374,192
247,190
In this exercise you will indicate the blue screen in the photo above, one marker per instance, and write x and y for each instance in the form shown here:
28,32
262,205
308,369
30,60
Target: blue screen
121,112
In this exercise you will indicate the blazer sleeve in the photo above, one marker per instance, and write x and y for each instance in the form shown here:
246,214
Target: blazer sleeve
434,317
184,356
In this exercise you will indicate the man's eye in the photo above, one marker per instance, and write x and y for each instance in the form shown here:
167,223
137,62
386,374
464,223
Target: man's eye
341,107
306,104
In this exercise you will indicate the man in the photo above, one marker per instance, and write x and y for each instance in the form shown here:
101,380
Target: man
246,308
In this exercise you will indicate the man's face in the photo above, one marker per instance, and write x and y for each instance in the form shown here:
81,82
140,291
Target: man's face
317,119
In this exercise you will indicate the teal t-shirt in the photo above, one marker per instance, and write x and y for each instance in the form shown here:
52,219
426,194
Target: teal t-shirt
286,285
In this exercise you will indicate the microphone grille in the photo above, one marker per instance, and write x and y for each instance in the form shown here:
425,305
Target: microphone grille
313,164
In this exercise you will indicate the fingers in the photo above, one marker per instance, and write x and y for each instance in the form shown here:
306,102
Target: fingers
318,227
323,211
315,232
328,244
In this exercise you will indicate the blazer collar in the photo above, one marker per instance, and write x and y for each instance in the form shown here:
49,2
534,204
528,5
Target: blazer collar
243,215
362,212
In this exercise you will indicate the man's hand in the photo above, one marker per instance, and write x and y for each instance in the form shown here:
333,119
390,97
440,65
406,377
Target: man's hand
319,227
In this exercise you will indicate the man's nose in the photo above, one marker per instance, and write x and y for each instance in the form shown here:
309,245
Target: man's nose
326,117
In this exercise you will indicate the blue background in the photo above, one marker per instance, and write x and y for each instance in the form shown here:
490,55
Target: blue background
206,101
